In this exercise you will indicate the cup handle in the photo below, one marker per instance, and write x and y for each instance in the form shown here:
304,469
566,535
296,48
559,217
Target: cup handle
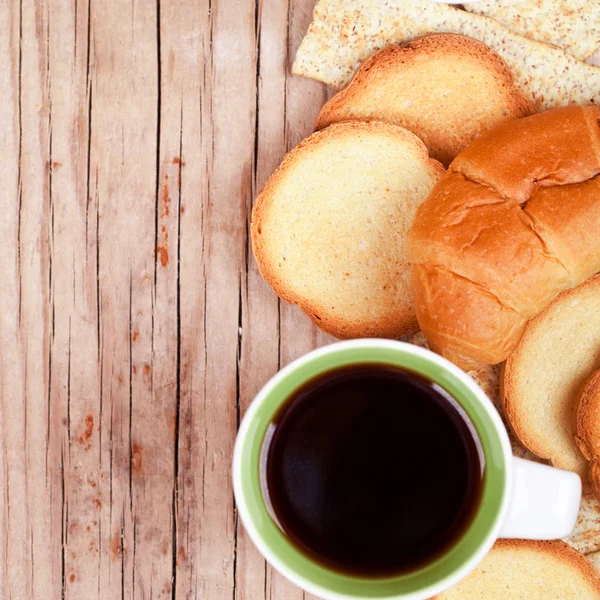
544,502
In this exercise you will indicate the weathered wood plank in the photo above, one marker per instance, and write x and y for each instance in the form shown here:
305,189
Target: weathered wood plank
135,326
123,179
186,49
231,130
74,381
11,365
155,335
29,564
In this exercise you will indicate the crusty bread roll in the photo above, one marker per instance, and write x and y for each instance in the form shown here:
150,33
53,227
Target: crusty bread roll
542,377
447,89
587,426
515,221
529,570
330,227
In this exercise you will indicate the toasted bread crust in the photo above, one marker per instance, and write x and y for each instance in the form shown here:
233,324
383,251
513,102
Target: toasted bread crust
446,139
560,550
556,549
587,427
400,320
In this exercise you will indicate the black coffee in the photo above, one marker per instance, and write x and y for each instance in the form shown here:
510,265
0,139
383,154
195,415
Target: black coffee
372,470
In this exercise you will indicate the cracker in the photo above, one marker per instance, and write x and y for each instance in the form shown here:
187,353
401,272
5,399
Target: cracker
585,536
345,32
574,25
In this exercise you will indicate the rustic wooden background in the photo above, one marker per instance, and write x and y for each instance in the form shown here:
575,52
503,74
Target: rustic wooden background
135,328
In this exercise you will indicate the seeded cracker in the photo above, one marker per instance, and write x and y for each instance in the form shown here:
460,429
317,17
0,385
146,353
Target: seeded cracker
345,32
574,25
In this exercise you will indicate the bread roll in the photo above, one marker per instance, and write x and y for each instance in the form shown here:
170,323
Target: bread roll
514,222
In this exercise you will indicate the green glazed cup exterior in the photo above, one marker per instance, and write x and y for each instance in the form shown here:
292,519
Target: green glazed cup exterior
422,583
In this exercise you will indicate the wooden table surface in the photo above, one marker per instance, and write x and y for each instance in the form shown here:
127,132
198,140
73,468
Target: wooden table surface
135,327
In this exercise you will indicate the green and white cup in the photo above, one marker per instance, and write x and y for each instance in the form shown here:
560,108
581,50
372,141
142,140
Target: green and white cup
520,499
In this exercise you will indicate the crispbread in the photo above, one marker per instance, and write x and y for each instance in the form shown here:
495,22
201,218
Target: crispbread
529,570
559,350
574,25
447,89
345,32
329,230
587,427
585,537
513,223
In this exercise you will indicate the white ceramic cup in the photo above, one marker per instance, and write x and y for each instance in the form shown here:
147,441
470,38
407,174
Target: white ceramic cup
520,499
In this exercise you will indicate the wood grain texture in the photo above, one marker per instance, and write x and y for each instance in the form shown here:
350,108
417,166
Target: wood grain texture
135,327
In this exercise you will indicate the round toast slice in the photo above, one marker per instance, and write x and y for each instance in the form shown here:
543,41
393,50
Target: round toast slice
587,427
559,350
330,228
447,89
529,570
